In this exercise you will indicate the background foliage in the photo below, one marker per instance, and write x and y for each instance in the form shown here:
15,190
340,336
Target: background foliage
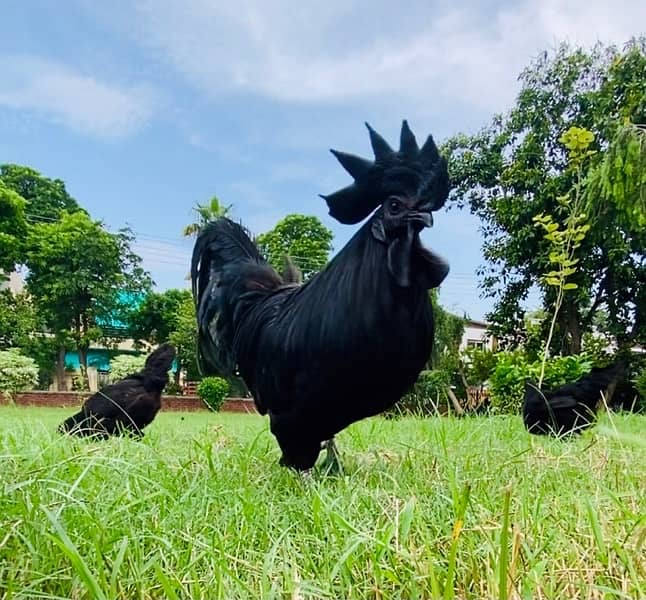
17,372
213,391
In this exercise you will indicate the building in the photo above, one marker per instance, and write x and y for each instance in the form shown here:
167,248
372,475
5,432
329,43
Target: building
475,336
14,284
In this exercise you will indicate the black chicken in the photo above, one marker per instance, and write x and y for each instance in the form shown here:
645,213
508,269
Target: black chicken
126,406
349,342
570,408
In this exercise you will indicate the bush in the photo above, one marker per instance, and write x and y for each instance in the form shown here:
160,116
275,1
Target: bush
479,365
426,395
507,382
213,391
640,386
123,365
18,373
562,369
173,389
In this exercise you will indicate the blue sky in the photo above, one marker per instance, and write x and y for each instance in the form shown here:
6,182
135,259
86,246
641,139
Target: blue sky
145,107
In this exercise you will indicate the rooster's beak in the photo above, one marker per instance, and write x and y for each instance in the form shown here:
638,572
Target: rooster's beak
420,219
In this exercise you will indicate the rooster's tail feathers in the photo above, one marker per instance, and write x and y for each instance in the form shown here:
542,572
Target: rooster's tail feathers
225,266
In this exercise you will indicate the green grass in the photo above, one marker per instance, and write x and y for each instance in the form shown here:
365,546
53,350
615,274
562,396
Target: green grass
426,508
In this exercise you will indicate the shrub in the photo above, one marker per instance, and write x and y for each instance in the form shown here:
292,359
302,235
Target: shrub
640,386
479,365
123,365
173,389
213,391
562,369
18,373
427,394
507,382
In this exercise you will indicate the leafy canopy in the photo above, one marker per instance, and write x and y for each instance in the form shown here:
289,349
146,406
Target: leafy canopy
45,198
13,227
77,272
157,316
518,167
18,320
184,338
302,238
205,213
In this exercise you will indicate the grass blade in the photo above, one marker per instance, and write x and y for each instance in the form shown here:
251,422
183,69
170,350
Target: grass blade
62,540
503,559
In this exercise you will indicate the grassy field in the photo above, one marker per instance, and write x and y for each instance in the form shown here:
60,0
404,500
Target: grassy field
426,508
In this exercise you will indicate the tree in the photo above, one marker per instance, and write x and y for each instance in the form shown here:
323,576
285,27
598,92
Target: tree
157,316
77,271
206,213
21,326
516,168
13,228
302,238
445,356
17,320
616,191
449,329
184,338
45,198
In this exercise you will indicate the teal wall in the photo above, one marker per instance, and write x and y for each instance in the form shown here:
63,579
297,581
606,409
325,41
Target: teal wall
98,358
95,358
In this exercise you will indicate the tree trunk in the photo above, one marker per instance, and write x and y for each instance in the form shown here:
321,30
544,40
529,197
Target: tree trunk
82,350
570,322
60,370
574,331
456,403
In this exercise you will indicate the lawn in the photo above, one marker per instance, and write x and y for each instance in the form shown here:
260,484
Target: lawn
426,508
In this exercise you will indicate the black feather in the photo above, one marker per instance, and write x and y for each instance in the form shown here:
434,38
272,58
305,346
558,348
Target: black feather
345,345
410,171
126,406
570,408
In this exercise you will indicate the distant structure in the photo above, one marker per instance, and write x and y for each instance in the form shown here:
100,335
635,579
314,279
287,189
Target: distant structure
475,336
14,284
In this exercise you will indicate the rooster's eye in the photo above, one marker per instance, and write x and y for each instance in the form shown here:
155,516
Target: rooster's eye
394,206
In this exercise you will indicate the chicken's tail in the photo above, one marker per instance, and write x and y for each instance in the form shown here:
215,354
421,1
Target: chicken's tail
228,277
571,403
598,381
79,424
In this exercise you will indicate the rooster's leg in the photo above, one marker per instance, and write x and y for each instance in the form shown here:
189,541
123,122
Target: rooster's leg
332,460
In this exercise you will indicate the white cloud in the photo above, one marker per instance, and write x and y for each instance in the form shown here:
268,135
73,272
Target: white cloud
80,102
340,51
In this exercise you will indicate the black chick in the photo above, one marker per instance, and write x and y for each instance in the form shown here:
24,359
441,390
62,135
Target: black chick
570,408
127,406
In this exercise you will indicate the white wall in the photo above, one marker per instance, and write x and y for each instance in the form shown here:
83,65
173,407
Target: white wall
475,333
14,284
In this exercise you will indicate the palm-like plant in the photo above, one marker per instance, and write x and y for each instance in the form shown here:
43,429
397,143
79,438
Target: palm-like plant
205,213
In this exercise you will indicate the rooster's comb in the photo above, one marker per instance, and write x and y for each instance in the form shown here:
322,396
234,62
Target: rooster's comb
410,169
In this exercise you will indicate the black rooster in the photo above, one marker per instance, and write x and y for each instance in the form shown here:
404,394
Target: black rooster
126,406
349,342
570,408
